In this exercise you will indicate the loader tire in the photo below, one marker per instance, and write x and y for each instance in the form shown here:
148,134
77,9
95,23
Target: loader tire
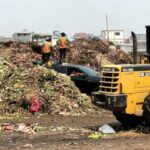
128,121
146,107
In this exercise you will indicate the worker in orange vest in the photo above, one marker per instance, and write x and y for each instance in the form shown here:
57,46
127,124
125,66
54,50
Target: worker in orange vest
63,47
46,50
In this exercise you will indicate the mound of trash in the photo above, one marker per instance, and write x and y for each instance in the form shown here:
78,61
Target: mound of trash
21,82
56,92
93,53
96,52
18,54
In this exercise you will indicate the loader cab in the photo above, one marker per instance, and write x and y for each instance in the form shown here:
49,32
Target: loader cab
125,89
145,58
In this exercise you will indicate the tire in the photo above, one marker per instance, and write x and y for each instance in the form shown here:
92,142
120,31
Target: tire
146,107
128,121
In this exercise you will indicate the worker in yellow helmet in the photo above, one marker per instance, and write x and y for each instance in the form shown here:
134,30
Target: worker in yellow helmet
46,50
63,47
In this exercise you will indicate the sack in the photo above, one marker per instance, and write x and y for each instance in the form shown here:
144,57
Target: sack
35,106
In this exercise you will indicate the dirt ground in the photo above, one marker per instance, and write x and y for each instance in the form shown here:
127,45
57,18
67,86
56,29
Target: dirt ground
72,133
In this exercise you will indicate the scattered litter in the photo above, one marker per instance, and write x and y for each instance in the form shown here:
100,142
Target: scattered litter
28,146
35,104
106,129
39,128
63,128
19,127
8,127
95,135
64,113
26,128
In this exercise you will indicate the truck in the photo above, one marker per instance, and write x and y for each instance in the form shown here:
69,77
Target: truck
125,90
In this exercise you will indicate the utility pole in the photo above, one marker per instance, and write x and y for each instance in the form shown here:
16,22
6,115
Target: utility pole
107,28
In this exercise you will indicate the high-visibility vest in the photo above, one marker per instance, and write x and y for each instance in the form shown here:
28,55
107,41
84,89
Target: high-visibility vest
63,42
46,47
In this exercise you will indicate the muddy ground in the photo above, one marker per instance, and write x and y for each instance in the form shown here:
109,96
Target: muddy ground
72,133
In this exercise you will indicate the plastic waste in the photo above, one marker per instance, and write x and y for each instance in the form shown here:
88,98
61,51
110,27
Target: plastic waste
95,135
107,129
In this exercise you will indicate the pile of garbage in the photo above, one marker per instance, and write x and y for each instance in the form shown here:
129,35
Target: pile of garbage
56,92
21,82
96,52
19,54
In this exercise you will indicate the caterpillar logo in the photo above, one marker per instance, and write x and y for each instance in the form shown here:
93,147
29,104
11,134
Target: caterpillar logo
144,74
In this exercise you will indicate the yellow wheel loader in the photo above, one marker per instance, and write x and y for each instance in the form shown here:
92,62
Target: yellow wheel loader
125,89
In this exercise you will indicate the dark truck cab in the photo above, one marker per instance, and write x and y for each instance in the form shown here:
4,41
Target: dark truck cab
85,78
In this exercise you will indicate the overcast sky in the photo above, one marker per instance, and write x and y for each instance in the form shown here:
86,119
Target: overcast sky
73,16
